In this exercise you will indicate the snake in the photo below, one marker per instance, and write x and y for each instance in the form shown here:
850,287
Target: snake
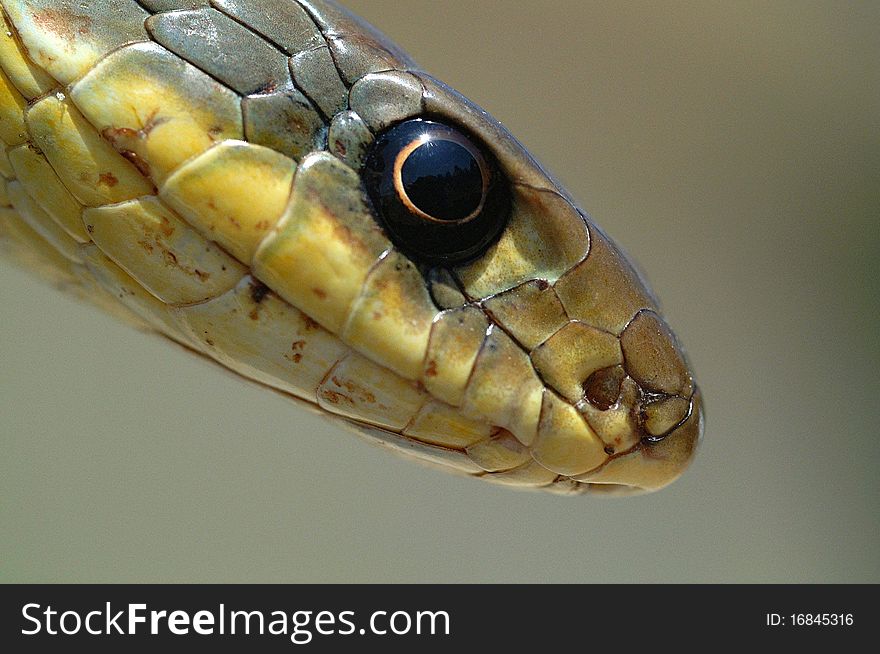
277,187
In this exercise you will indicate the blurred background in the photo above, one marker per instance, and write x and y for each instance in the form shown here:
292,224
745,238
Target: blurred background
732,147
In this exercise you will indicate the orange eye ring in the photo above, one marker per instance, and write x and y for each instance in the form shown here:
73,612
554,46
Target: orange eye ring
423,140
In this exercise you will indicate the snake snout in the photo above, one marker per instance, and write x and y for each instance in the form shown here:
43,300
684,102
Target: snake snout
621,410
656,461
647,409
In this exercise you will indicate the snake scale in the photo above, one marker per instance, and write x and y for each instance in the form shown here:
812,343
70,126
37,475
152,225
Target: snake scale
277,187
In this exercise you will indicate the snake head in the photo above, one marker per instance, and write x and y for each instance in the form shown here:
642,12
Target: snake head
534,346
542,348
283,190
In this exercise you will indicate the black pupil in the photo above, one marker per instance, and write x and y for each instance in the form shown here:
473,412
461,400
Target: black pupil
443,179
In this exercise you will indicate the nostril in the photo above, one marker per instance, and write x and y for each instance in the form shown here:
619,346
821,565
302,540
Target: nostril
602,388
574,353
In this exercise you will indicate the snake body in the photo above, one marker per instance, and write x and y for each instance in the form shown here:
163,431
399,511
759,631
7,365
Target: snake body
193,167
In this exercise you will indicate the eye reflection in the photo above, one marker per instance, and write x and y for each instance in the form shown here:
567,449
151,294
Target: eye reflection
442,179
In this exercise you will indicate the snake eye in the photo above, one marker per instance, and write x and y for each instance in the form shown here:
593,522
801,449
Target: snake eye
439,196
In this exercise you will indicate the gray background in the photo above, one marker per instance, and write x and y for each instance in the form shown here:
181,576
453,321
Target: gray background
732,148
